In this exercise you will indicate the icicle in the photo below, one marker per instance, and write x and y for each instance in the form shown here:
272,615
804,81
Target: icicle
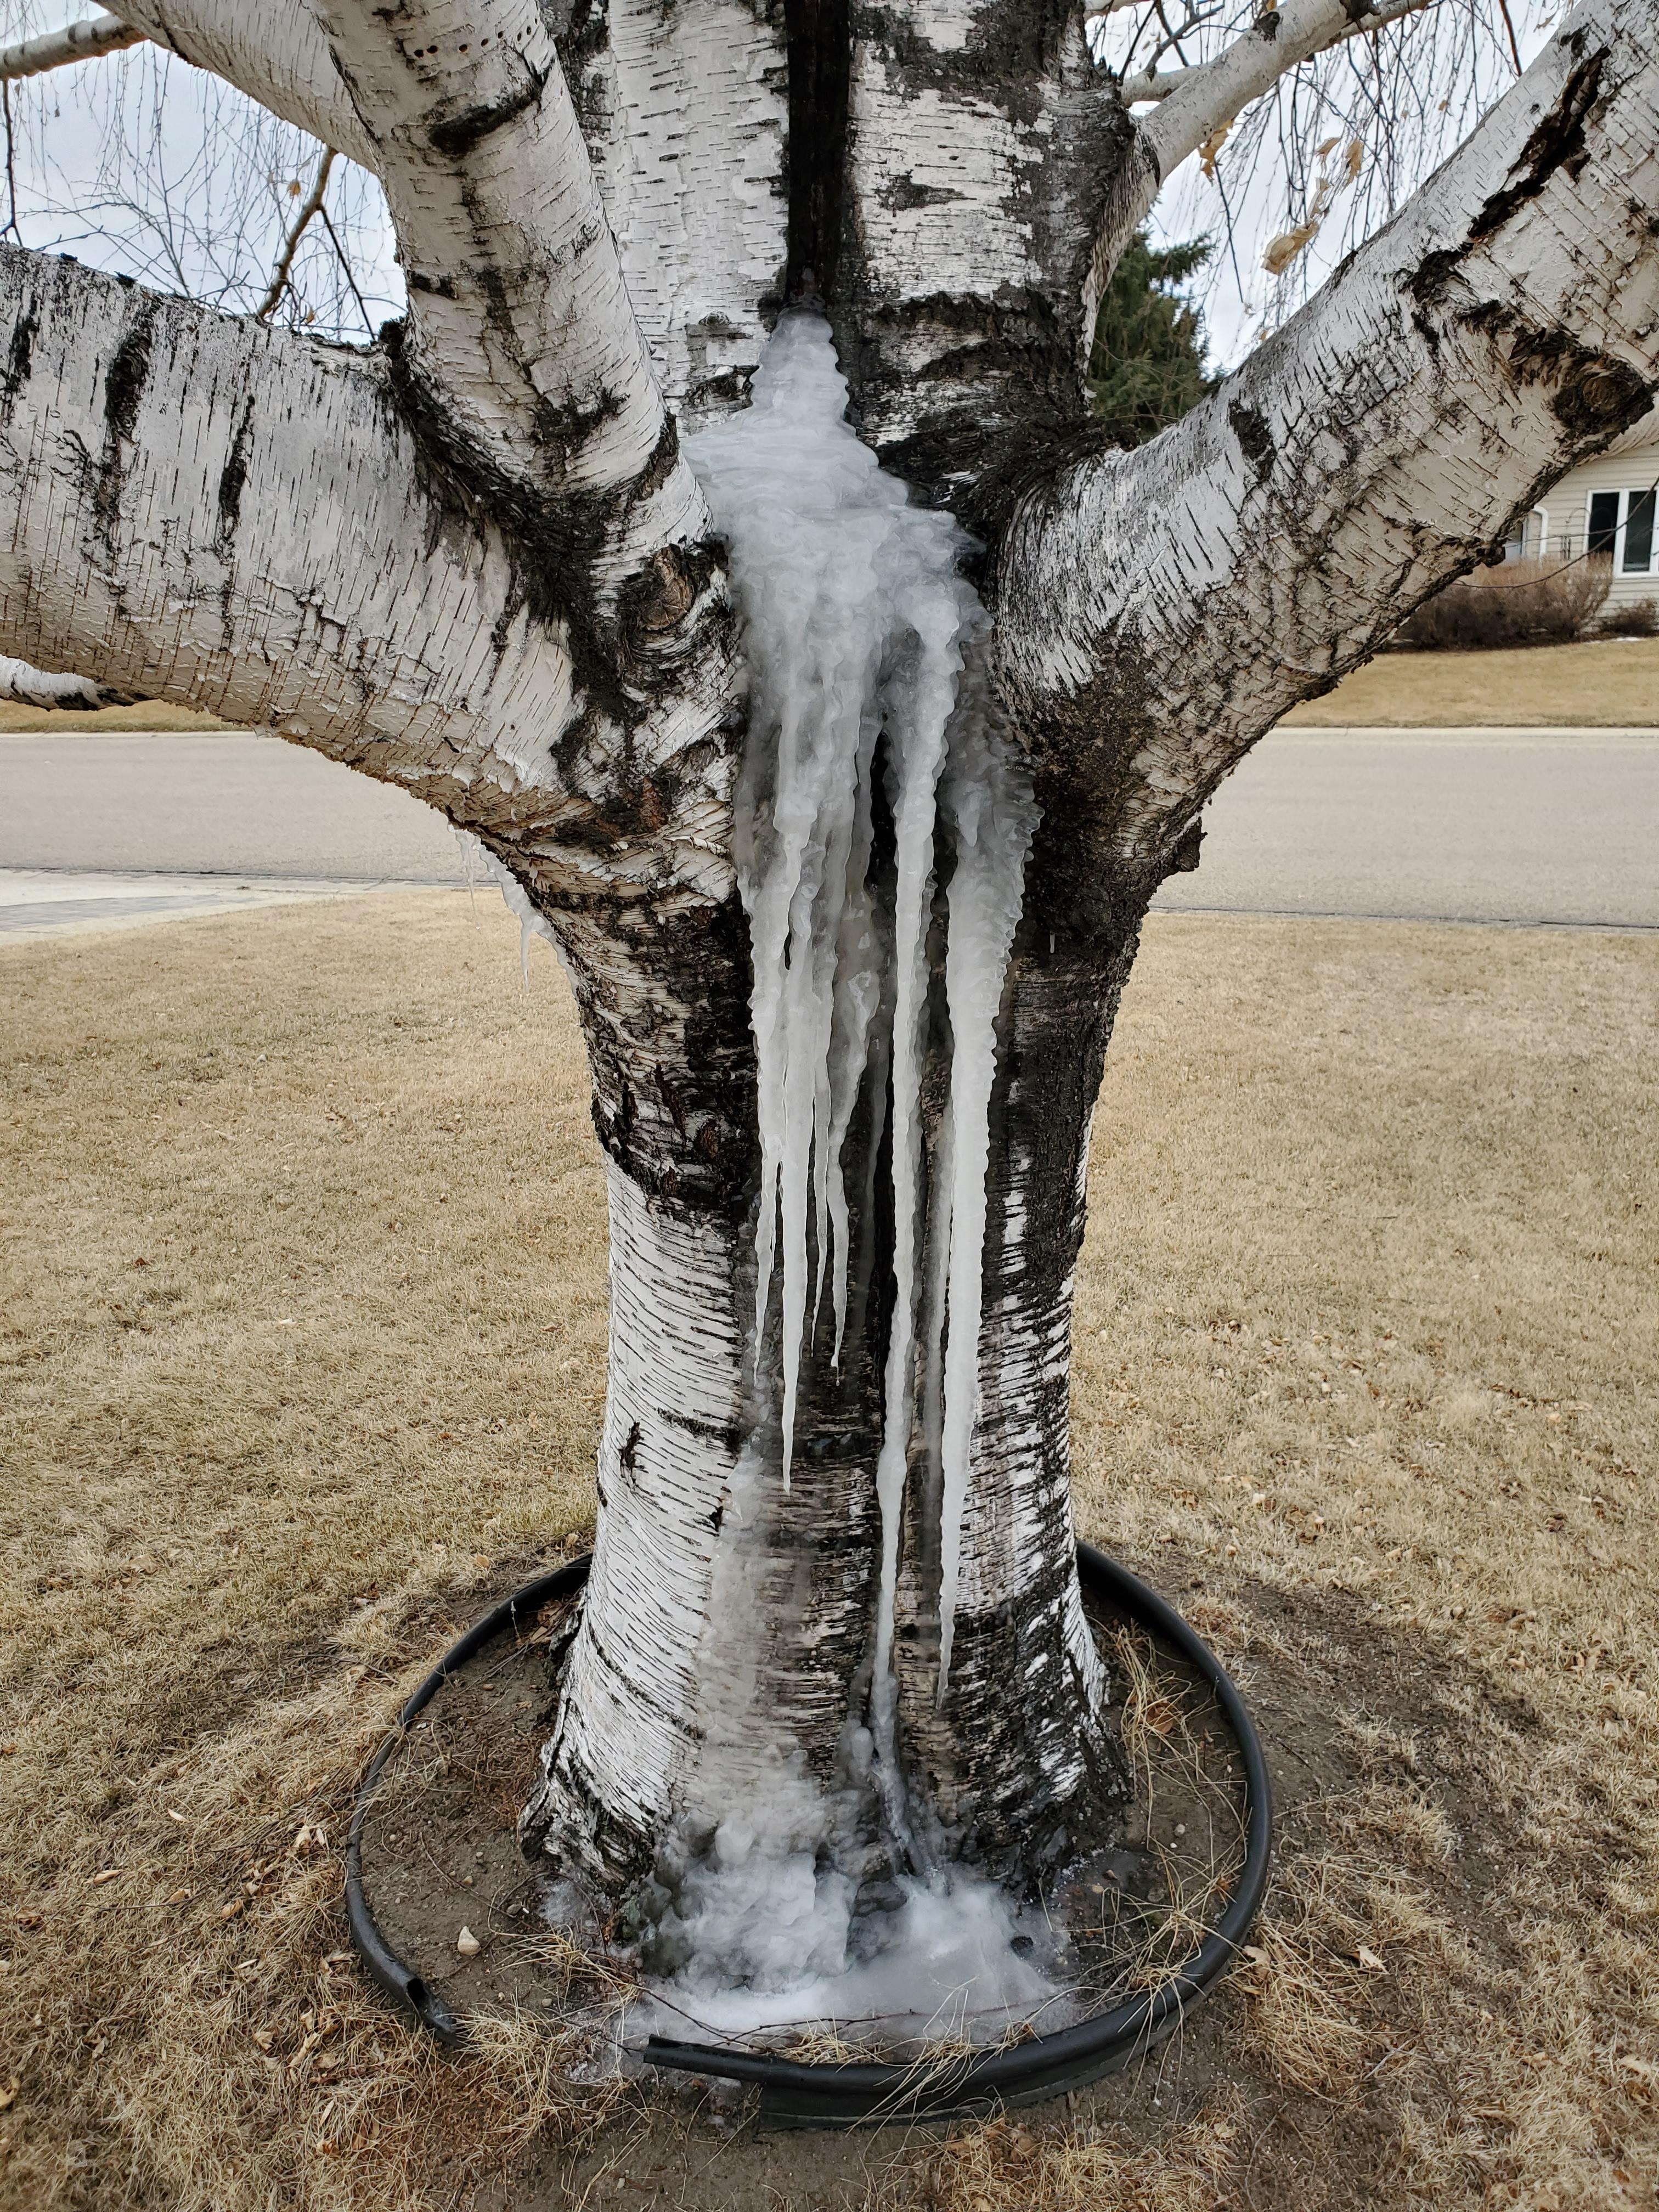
864,644
838,575
858,626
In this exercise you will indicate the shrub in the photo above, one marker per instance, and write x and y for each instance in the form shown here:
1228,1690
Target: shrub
1539,602
1637,618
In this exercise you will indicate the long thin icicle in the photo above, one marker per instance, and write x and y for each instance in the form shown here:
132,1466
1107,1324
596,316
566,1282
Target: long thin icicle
841,582
989,807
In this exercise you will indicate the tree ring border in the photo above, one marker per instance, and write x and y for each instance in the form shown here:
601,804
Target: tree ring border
794,2093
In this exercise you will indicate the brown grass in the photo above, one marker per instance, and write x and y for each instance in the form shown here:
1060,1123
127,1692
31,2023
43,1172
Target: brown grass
145,715
1367,1317
1601,683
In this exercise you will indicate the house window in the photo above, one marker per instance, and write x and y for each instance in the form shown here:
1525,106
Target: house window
1622,524
1531,538
1638,533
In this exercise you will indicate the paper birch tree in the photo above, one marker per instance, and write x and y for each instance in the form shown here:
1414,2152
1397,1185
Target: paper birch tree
470,560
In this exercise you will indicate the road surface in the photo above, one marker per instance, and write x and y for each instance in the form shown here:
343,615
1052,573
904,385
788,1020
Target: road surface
1521,826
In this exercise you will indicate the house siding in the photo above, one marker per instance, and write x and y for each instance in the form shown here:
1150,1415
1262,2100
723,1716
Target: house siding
1566,511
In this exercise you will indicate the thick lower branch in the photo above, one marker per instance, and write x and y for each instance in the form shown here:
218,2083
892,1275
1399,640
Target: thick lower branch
1159,611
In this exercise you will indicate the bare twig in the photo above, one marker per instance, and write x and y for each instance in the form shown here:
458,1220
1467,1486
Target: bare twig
11,166
346,269
268,306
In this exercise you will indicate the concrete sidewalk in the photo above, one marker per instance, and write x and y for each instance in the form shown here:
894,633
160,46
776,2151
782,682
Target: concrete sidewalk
1524,826
57,902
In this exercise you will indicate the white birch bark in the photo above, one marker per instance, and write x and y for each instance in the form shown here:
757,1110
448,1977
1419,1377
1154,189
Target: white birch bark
80,41
275,53
686,115
25,686
521,341
207,511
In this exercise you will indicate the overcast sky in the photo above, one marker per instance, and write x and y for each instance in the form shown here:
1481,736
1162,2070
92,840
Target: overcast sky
140,164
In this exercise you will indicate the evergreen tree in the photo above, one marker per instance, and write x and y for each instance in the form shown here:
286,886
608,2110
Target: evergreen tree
1147,366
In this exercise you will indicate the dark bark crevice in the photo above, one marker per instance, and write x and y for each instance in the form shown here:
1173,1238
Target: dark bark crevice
818,34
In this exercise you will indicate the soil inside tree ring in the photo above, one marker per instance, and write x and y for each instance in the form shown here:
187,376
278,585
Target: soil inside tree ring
442,1871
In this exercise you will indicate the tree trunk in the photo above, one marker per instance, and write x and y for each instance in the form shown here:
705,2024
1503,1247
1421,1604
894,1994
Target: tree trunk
728,1643
475,560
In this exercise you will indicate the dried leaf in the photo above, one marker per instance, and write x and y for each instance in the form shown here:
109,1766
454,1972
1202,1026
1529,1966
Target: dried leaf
1369,1959
1283,250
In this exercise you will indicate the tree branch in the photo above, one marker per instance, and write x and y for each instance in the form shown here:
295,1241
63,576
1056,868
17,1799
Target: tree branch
1195,104
703,89
76,42
24,685
275,51
1155,84
522,365
976,171
217,513
1208,96
1161,610
230,517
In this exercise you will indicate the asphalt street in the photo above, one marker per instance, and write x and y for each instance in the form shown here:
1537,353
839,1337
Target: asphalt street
1519,826
1453,825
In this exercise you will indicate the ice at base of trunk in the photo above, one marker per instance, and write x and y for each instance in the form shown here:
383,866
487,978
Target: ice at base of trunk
948,1971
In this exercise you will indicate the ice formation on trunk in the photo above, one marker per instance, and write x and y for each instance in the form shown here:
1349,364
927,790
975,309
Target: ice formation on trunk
861,634
872,771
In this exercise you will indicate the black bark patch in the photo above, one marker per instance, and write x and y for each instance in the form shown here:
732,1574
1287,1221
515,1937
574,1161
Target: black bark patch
1255,441
1596,395
455,135
1556,142
730,388
1430,282
622,663
818,37
233,478
904,194
1184,853
1603,396
123,391
126,378
19,355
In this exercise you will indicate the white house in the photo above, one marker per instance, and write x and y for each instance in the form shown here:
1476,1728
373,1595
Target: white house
1606,506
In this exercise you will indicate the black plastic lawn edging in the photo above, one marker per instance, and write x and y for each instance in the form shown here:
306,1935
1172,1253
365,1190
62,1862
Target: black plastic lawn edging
796,2095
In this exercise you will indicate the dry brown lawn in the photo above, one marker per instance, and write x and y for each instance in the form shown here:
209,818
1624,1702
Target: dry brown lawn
303,1356
148,714
1607,682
